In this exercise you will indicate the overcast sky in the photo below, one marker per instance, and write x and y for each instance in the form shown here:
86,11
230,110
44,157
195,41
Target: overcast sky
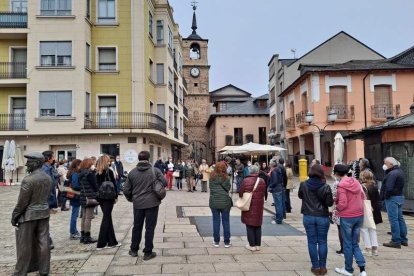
244,34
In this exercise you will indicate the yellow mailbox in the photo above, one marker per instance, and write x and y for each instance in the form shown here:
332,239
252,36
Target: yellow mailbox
303,170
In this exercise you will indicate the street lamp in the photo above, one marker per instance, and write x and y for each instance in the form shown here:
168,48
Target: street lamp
332,117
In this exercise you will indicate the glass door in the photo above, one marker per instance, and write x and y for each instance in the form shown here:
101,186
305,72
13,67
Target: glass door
19,6
18,65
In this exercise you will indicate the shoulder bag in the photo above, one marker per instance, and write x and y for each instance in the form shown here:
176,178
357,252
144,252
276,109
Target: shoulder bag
243,203
90,202
368,215
158,187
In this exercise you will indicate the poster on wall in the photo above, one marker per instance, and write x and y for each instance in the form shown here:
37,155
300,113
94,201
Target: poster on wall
131,156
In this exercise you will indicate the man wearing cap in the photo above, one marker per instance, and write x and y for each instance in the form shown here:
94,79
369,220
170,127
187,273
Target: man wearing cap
31,219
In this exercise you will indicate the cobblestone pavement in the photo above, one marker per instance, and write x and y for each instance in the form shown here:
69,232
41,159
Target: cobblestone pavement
182,251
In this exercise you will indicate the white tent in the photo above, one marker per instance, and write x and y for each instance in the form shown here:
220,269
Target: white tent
251,148
338,148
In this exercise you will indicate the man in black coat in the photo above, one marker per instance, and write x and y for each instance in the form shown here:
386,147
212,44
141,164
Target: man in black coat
138,189
31,219
120,172
392,194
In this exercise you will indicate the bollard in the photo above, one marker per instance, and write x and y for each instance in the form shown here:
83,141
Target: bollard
303,170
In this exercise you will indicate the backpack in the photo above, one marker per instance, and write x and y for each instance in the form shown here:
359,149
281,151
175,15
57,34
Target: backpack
158,187
107,188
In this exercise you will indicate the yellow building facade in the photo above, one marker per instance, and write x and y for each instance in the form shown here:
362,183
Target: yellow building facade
84,78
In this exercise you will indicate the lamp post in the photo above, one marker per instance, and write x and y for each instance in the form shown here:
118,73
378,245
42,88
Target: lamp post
332,117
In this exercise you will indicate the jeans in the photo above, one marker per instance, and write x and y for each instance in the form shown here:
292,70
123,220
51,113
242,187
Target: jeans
254,235
350,228
394,206
287,201
179,183
317,233
106,232
170,180
150,217
239,180
225,220
279,206
118,184
73,219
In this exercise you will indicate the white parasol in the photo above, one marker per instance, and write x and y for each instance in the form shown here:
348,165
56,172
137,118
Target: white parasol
5,154
338,148
19,159
10,163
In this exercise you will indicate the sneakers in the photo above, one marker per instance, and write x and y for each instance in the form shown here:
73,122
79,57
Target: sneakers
404,243
340,253
216,244
75,236
257,248
251,248
227,245
363,273
367,252
374,252
392,244
273,222
342,271
149,256
116,245
133,253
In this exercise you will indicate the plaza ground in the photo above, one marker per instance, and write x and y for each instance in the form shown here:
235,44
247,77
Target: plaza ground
182,250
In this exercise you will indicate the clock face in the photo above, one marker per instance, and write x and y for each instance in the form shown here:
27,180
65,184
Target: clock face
195,72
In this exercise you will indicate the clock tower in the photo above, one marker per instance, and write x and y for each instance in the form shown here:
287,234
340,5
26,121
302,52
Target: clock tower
196,73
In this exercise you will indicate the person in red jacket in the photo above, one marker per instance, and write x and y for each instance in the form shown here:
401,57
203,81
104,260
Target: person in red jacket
254,217
350,207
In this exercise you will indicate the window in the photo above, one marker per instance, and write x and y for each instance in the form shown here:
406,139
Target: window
161,110
160,32
88,55
56,7
180,62
107,111
19,6
18,109
181,95
171,118
107,59
87,102
56,53
150,25
304,100
106,11
55,103
160,73
337,95
170,79
151,70
195,51
238,136
195,84
262,136
88,9
170,38
181,126
110,149
383,107
222,106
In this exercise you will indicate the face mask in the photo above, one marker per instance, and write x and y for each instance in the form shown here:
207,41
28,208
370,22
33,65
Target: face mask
118,159
92,167
384,167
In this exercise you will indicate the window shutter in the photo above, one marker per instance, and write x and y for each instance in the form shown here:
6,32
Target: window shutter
47,48
160,73
64,103
107,101
337,95
382,95
47,100
107,56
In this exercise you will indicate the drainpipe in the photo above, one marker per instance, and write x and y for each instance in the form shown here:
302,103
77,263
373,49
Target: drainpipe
365,99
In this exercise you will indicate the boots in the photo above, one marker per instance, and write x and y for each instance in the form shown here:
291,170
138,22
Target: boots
82,238
88,239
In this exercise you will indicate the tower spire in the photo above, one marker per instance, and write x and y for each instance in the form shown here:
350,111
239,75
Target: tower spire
194,25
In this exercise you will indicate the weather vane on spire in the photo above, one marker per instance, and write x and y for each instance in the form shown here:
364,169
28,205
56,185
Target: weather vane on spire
194,4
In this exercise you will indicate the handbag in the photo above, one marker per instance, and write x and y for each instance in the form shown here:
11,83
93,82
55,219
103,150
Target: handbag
176,174
243,203
368,215
158,187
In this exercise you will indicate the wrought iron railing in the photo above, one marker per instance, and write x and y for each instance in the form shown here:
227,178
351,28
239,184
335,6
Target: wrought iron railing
13,121
385,111
238,140
124,120
290,123
343,112
12,20
13,70
300,117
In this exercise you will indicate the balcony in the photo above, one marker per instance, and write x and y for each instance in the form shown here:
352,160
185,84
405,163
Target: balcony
272,102
345,113
186,138
381,112
13,20
13,70
290,124
124,120
176,133
10,122
300,118
281,127
185,111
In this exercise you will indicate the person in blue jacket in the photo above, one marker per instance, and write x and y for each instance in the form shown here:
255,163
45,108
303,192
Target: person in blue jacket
73,179
276,189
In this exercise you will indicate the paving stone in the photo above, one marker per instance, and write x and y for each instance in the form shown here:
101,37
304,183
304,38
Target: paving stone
180,230
184,239
134,269
284,265
228,251
184,252
224,267
168,244
183,268
257,258
218,274
164,260
196,259
271,273
97,263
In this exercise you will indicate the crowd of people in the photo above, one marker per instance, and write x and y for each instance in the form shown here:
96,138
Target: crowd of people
92,182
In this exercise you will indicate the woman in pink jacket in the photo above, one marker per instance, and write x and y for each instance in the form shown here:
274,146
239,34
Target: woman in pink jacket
350,207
